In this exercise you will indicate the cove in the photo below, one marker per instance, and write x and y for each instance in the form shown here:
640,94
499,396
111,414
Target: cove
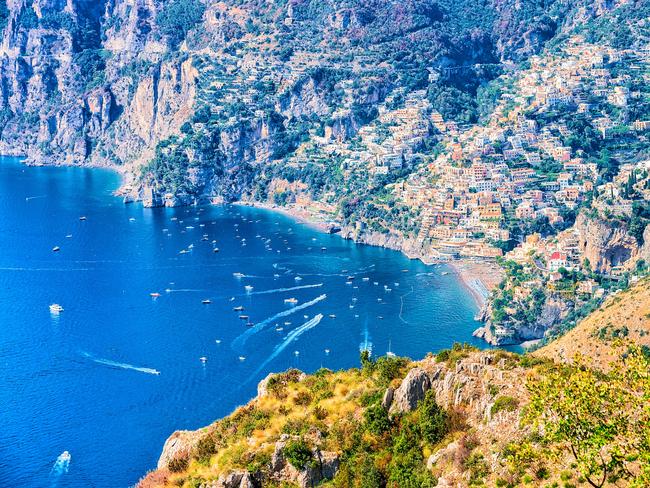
110,377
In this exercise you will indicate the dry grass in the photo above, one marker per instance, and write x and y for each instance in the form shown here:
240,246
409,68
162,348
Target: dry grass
623,317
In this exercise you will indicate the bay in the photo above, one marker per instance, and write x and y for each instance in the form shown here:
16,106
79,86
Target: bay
117,371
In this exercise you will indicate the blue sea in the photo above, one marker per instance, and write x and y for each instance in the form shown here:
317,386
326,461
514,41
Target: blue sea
113,374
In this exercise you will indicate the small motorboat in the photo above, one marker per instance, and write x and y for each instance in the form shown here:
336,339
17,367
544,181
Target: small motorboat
239,275
350,278
56,249
332,316
248,288
242,358
216,249
206,301
83,217
292,300
249,324
203,359
56,308
132,219
243,317
154,294
365,278
298,278
218,341
238,308
327,351
69,236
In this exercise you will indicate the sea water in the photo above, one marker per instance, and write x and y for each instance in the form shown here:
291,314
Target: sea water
117,371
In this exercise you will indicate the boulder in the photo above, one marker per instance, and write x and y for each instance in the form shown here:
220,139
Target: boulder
387,401
412,389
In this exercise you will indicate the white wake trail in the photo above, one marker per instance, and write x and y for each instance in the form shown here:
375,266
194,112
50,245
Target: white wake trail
292,336
115,364
282,290
240,340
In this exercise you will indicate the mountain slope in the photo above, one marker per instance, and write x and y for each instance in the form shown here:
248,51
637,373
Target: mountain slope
460,418
625,316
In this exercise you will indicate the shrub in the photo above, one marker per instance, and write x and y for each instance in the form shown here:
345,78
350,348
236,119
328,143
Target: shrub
477,467
504,403
376,419
432,420
205,448
177,465
298,454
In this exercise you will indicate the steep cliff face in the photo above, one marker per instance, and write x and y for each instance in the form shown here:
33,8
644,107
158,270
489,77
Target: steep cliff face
606,244
109,82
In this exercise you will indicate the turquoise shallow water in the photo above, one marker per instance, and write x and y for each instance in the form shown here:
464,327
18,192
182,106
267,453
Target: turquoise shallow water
85,380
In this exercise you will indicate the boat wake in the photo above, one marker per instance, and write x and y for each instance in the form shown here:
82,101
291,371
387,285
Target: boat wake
240,340
292,336
281,290
115,364
27,199
60,467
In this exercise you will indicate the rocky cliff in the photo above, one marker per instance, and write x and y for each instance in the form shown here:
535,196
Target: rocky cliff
607,244
181,93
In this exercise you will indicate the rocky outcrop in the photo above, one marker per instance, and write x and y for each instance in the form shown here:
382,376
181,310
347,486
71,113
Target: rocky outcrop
178,447
412,389
324,467
605,244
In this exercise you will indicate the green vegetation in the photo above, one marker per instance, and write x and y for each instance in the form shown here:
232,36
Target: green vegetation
177,18
601,419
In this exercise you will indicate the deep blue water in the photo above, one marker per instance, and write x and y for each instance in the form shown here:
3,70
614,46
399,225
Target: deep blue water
82,381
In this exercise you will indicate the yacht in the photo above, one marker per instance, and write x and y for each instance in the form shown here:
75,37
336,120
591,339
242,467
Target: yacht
206,301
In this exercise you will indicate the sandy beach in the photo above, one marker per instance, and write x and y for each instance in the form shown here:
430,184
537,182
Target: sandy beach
480,277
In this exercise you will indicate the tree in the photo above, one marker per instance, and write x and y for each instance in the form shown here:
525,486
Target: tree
602,419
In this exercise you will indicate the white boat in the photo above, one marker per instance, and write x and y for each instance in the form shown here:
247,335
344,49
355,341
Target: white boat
248,288
64,457
56,308
207,301
203,359
298,278
291,300
56,249
365,278
238,275
242,358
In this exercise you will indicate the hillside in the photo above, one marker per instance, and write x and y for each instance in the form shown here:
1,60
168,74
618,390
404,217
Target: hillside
625,316
460,418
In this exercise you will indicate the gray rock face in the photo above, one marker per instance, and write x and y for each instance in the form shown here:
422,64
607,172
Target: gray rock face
411,391
236,479
387,400
179,445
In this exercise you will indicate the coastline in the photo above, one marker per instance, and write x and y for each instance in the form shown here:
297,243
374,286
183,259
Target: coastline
478,277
